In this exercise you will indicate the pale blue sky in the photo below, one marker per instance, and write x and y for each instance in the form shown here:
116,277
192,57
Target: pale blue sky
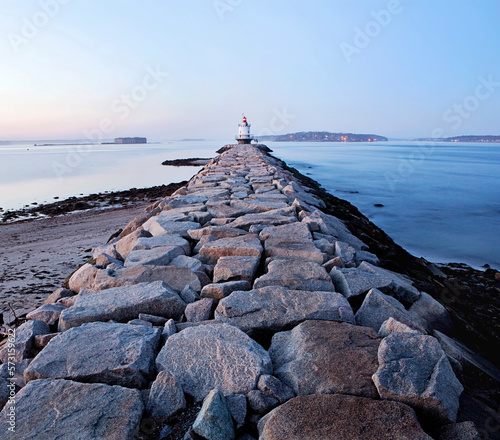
66,74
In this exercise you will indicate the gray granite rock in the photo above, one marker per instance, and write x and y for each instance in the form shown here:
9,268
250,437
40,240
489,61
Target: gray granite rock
330,225
297,275
83,277
378,307
415,370
7,388
212,356
325,246
319,357
189,295
116,354
284,248
293,231
123,304
274,387
199,310
244,246
170,327
430,314
135,223
125,245
401,287
218,291
460,431
391,326
276,308
368,257
20,343
57,295
261,402
140,322
334,262
265,218
340,417
166,397
104,261
48,313
203,240
237,404
346,253
153,319
149,243
354,282
62,409
158,256
160,226
216,231
235,269
175,277
184,261
214,419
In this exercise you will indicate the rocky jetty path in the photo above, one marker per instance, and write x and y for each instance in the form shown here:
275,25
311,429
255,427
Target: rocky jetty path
236,309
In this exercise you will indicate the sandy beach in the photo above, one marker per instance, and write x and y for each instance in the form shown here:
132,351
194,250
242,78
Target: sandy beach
38,255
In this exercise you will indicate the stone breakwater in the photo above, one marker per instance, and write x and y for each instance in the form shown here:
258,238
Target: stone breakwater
238,294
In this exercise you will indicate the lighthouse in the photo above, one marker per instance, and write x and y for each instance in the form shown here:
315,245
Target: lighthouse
244,136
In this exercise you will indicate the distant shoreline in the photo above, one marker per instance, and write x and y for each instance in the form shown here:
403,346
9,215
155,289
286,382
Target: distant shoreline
491,139
104,200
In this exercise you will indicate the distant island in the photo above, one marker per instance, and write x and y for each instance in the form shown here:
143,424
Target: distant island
131,140
467,138
323,136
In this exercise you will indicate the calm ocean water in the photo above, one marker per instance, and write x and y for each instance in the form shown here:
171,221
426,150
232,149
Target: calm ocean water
439,201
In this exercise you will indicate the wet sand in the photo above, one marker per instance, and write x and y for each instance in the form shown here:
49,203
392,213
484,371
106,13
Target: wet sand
36,256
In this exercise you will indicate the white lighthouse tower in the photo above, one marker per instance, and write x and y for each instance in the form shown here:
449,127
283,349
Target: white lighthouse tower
244,136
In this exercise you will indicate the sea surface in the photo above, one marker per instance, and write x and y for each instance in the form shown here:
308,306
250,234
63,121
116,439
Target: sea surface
439,201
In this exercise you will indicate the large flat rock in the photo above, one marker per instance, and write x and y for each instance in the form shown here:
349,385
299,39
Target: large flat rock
115,354
158,256
62,409
213,356
236,268
161,226
338,417
216,231
277,308
324,357
353,281
161,241
297,275
293,248
415,370
401,286
123,304
293,231
243,246
264,218
378,307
